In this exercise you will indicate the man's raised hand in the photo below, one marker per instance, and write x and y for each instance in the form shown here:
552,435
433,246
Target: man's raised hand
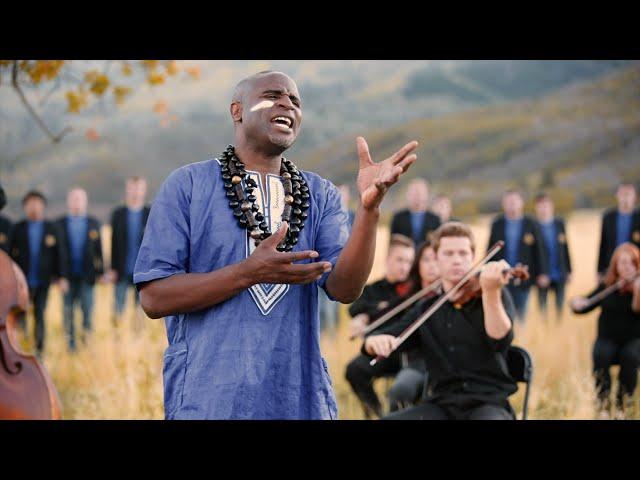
374,179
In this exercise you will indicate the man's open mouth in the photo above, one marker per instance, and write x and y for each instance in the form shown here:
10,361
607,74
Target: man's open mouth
286,123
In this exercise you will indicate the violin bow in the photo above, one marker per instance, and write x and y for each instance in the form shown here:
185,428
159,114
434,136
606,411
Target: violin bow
398,308
425,316
608,291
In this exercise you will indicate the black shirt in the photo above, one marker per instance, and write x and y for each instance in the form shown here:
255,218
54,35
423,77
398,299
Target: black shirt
5,230
530,248
92,264
119,245
53,261
401,223
617,320
379,298
464,363
608,236
372,298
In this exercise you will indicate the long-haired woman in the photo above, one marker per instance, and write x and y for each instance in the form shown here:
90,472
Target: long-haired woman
618,340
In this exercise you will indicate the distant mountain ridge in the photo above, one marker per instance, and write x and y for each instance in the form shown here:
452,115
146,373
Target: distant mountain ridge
388,101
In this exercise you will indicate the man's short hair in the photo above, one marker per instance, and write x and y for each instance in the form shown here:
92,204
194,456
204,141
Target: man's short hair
136,178
542,196
452,229
399,240
512,191
34,194
627,185
420,181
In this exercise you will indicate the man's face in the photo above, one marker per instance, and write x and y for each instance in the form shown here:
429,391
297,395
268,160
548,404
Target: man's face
442,207
544,209
399,263
513,205
77,201
626,196
135,191
454,258
34,208
428,267
271,112
417,196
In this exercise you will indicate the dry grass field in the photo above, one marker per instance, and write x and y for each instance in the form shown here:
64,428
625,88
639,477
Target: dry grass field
118,374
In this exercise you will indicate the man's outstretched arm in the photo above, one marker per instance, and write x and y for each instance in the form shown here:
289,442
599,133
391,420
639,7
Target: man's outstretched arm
346,281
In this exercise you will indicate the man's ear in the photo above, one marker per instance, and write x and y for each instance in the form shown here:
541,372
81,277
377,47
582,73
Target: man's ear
236,111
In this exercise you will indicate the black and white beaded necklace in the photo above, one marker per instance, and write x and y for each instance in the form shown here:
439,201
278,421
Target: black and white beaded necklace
243,202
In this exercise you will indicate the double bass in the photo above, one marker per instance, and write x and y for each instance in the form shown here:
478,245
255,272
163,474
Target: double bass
26,389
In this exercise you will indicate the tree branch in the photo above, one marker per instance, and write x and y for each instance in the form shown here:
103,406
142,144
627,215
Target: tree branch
27,105
54,88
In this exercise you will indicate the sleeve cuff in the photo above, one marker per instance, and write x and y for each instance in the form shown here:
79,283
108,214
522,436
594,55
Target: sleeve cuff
154,274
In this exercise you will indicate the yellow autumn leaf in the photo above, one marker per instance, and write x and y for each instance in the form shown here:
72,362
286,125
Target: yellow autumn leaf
76,101
127,69
98,82
120,93
193,71
155,78
100,85
43,69
149,64
172,67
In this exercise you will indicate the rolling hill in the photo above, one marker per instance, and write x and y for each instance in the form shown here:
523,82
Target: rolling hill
482,125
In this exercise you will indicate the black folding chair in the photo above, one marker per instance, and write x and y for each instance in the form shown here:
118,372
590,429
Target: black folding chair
520,368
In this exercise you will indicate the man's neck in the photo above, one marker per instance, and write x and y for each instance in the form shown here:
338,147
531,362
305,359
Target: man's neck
447,284
418,210
134,206
514,218
545,220
625,211
391,280
425,283
33,220
257,160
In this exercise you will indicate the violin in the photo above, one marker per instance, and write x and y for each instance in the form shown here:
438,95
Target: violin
455,292
622,286
26,389
472,288
627,285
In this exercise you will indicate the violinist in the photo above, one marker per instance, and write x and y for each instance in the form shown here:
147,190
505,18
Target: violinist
376,298
409,384
618,297
464,343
